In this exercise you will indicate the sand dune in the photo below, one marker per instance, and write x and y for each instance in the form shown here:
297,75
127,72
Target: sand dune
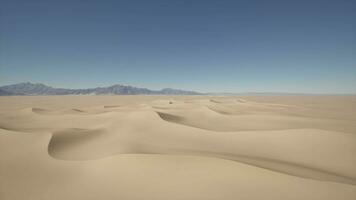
177,147
206,120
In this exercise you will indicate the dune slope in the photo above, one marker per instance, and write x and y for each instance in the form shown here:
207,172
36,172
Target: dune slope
177,147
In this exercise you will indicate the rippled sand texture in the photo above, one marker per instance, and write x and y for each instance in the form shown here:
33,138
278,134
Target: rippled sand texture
178,147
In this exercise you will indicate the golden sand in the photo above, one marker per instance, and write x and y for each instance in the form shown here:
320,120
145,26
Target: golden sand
178,147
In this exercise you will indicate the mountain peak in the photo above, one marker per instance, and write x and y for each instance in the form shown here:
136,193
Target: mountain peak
29,88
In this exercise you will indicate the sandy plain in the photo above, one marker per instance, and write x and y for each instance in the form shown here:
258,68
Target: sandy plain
178,147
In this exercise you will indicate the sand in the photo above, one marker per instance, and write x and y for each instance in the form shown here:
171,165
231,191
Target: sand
178,147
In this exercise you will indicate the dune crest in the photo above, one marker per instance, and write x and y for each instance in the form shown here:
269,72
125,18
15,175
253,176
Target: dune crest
303,145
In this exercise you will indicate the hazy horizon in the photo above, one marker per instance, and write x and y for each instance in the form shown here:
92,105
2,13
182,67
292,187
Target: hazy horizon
205,46
185,89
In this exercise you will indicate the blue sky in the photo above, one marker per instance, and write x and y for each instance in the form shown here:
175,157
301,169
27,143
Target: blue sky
215,46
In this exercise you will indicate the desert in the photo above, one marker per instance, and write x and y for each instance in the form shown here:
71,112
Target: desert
177,100
178,147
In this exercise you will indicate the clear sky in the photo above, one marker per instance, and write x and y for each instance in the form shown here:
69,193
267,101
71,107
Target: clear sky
216,46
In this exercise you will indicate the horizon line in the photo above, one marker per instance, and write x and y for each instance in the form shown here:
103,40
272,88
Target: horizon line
202,93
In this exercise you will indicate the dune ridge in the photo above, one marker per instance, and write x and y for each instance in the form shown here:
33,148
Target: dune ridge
277,139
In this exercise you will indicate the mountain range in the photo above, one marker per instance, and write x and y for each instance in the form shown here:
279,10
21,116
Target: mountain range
29,88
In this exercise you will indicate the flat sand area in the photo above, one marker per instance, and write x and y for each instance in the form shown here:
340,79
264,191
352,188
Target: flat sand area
178,147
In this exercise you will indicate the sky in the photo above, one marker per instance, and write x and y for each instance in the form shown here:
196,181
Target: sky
208,46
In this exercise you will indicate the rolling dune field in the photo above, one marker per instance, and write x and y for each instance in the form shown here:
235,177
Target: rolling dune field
178,147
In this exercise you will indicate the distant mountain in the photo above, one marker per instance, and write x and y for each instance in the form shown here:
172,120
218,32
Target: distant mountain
170,91
42,89
5,93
